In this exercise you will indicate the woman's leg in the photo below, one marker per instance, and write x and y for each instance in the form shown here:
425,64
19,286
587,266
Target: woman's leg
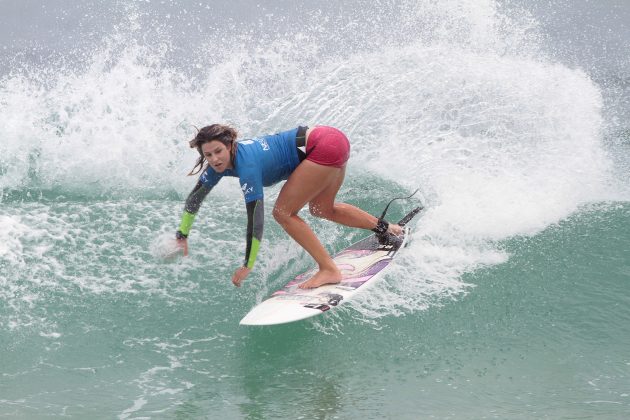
323,205
318,185
330,147
306,183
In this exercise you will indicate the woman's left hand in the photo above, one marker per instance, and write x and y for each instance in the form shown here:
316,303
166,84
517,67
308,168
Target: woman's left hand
394,229
239,275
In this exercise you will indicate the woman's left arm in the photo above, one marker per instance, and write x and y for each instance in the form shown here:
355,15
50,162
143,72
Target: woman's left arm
255,222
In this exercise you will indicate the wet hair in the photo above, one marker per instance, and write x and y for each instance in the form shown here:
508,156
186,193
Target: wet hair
215,132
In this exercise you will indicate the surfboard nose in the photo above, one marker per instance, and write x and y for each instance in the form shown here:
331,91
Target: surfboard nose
276,313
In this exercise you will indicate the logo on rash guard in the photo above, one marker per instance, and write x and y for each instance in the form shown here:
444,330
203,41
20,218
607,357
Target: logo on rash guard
263,143
245,189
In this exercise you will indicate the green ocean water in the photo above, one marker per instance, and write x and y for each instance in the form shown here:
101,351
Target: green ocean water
544,334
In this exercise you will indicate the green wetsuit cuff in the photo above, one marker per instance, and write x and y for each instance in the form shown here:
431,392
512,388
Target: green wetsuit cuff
186,223
252,253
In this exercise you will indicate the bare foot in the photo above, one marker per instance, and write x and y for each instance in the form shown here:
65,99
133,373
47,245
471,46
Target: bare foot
324,276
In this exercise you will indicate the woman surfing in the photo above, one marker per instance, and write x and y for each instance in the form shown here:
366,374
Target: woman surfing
311,160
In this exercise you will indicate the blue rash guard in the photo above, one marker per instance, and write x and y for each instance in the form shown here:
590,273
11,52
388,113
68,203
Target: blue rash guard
258,163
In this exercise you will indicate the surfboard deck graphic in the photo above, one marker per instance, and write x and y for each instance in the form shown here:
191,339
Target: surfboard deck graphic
361,264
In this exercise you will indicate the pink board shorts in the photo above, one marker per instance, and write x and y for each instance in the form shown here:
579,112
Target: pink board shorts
327,146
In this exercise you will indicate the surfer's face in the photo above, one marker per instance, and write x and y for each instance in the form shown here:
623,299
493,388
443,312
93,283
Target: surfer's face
217,154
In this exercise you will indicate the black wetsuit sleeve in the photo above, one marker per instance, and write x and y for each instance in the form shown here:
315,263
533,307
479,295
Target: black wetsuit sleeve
196,197
193,203
255,222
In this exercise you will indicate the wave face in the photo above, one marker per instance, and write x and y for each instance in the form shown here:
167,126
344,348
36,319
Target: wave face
463,100
457,99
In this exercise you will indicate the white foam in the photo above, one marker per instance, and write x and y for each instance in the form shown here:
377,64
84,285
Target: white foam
54,335
137,406
11,230
457,100
165,247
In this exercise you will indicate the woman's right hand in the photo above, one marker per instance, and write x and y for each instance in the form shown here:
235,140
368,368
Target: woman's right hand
183,244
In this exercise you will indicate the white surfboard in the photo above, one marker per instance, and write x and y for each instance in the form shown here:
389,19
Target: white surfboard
361,264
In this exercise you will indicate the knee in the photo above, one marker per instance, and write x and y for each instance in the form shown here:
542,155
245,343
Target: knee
319,211
280,215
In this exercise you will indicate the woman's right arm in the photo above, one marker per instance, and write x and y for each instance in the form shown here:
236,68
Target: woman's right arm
193,203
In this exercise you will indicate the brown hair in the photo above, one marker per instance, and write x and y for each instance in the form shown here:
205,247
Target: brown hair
215,132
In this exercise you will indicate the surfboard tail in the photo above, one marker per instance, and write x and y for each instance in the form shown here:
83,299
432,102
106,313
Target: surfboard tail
410,216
